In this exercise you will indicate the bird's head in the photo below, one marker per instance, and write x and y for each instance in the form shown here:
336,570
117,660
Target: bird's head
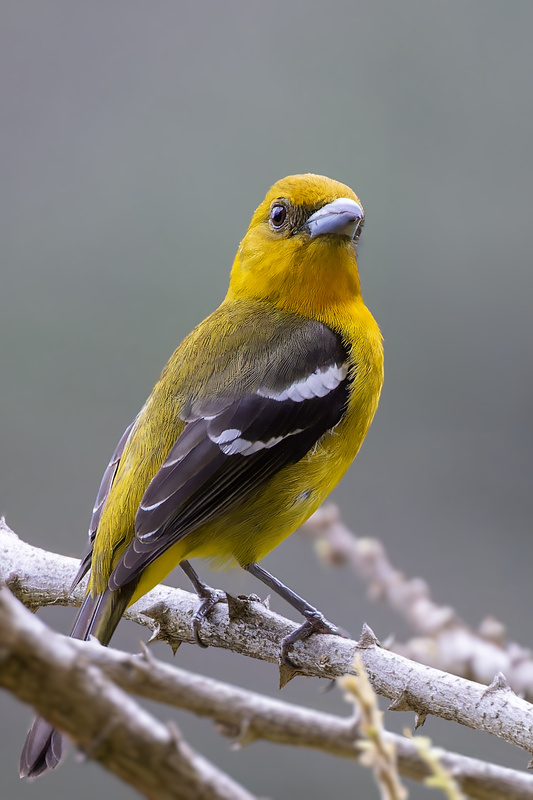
299,250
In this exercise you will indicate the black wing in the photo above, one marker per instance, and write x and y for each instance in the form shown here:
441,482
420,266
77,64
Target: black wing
233,446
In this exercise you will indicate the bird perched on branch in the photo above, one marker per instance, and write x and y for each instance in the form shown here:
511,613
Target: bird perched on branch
254,420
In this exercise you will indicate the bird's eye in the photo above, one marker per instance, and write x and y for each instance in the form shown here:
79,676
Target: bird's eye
278,215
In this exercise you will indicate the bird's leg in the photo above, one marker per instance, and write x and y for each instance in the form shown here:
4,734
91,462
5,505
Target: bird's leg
315,622
209,597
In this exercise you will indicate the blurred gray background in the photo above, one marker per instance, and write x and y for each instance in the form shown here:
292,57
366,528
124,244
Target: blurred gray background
136,140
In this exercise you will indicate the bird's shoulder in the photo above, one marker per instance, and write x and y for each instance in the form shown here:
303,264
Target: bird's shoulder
244,347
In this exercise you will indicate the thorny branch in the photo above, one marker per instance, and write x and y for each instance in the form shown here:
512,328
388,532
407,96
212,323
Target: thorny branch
101,718
443,640
40,578
74,671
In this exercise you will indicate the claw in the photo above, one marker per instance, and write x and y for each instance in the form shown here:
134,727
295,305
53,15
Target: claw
315,623
210,597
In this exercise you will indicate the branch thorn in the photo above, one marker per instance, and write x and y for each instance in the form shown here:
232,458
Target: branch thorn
286,674
420,718
499,684
368,638
402,703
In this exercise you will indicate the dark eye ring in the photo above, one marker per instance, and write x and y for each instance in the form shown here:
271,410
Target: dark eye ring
278,215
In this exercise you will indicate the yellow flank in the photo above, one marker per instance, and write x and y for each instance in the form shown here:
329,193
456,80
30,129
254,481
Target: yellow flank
277,278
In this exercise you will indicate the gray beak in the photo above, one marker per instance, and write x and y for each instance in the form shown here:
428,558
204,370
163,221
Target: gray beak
342,217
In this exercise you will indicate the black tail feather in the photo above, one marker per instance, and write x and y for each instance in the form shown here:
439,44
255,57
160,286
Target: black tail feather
98,616
42,749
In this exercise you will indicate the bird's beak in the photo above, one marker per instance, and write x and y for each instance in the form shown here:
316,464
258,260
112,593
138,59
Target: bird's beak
342,217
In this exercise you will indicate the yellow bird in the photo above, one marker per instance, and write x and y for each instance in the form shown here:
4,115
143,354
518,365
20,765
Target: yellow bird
254,420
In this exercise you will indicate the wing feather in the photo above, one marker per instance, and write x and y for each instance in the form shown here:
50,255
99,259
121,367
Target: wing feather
103,493
228,451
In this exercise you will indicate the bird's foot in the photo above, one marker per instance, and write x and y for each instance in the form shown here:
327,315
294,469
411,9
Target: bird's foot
315,622
209,597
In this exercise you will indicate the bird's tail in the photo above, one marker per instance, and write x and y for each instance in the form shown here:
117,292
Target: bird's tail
98,616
